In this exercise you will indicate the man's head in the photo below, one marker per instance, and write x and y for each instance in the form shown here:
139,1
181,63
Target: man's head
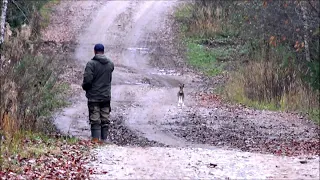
98,49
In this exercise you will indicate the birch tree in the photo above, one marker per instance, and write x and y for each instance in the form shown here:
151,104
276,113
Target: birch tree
303,5
3,19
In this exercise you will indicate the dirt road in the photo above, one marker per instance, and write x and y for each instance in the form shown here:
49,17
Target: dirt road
138,37
141,95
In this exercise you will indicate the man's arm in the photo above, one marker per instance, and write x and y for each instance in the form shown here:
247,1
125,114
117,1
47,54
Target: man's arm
87,77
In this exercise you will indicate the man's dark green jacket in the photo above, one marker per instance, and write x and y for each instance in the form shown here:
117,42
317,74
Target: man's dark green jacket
97,78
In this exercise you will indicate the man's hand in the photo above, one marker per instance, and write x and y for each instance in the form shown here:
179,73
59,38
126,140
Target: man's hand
87,86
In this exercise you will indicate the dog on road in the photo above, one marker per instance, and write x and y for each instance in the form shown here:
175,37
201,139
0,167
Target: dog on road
181,95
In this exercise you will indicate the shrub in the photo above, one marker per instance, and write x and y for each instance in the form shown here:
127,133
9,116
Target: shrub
30,90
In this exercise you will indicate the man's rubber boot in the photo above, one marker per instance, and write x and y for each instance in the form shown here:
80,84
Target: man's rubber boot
104,133
95,132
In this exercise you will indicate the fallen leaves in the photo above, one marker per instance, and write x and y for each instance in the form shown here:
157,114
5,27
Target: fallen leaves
282,134
58,160
273,41
208,99
291,148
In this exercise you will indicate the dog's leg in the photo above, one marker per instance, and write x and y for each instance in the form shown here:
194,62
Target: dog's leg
179,101
182,101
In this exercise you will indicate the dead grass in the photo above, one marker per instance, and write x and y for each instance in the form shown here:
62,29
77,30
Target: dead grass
272,80
264,85
198,21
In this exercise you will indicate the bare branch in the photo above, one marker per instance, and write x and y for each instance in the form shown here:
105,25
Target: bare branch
313,8
16,4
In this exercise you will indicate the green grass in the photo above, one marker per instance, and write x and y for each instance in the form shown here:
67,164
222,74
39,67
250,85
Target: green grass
203,59
223,52
199,56
314,114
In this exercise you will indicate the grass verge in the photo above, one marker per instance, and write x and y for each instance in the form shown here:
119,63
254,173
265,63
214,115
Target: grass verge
300,98
34,155
203,59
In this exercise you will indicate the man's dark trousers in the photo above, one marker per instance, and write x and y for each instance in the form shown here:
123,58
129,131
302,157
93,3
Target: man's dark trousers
99,112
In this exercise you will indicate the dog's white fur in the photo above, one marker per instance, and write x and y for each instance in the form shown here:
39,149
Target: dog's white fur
181,95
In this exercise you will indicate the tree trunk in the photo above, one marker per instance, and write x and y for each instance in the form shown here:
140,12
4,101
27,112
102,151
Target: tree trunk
3,20
303,5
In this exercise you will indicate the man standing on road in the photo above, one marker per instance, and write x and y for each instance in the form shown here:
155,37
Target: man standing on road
97,84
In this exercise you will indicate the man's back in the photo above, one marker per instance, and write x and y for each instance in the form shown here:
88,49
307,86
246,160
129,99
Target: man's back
97,78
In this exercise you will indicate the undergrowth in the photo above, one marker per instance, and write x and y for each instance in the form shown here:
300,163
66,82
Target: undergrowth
30,86
27,147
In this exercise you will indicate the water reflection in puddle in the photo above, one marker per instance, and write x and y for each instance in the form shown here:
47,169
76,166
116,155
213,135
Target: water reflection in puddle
167,72
139,50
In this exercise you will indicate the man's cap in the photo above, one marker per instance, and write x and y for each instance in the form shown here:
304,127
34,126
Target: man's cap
99,48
